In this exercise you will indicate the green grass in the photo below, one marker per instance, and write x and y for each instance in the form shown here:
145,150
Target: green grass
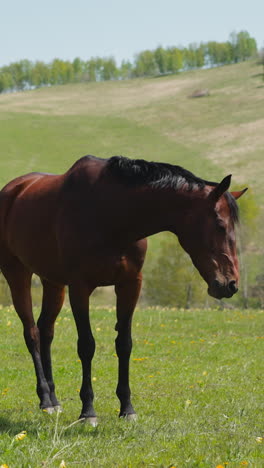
197,384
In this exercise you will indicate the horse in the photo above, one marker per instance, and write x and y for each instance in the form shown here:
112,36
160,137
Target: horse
88,228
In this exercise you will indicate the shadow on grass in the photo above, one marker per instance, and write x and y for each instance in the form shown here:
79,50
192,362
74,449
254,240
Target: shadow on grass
11,427
47,424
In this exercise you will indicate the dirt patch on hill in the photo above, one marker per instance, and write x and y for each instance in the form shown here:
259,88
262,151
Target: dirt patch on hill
97,98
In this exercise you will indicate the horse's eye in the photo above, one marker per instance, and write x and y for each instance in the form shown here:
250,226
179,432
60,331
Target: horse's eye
221,226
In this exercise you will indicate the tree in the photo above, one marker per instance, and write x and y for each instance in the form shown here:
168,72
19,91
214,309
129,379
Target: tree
6,80
161,58
40,74
170,279
109,69
17,73
175,59
126,70
261,61
145,64
199,56
249,213
257,291
243,46
61,72
78,69
94,69
246,45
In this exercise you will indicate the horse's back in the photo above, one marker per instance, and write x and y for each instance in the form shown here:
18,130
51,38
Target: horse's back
61,226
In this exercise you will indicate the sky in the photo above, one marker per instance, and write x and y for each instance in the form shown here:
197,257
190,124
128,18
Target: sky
66,29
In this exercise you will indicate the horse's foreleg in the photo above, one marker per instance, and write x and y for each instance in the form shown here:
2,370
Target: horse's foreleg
127,295
52,301
19,280
79,299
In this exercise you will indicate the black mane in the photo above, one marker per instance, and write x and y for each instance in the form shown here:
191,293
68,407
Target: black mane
135,172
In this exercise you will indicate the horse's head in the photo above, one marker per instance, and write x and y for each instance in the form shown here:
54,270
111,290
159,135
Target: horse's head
208,236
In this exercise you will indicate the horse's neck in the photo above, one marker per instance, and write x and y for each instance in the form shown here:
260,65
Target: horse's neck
149,211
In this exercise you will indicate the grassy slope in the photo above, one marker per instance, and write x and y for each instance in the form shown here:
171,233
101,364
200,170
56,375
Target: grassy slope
196,378
47,129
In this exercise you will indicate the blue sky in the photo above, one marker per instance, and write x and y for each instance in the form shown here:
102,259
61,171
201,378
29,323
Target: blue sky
120,28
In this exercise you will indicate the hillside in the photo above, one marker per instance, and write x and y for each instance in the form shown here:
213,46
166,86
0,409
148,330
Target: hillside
47,129
225,128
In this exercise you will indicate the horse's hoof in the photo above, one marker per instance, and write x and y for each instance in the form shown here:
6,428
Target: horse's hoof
131,417
92,420
58,409
49,409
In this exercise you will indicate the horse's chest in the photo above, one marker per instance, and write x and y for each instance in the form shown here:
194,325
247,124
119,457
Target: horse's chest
100,270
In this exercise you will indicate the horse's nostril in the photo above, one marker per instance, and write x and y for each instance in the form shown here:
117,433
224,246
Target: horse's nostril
232,287
216,284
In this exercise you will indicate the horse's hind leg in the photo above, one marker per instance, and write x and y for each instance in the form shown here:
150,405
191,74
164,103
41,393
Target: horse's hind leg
19,280
52,301
127,295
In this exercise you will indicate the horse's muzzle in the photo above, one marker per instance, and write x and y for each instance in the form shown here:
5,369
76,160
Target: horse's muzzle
218,290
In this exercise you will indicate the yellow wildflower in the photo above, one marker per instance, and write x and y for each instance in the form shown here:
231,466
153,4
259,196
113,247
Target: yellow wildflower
140,359
21,435
4,465
259,439
62,464
188,403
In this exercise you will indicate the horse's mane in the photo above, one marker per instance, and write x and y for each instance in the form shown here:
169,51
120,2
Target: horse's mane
160,175
136,172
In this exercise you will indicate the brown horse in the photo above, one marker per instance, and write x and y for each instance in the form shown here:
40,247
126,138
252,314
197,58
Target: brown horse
88,228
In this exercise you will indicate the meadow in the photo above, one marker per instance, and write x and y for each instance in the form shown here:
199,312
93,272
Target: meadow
196,375
197,385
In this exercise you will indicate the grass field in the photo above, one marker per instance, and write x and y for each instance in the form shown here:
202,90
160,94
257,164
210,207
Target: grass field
196,375
197,384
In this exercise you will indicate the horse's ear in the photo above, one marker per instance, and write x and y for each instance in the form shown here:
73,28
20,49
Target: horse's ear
239,194
221,188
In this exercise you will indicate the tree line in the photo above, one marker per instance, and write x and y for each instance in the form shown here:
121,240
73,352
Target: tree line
27,75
